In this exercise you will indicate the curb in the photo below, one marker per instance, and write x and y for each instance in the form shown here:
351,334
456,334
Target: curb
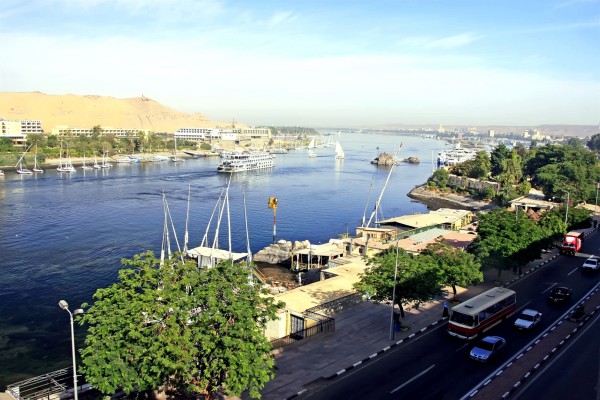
554,351
385,349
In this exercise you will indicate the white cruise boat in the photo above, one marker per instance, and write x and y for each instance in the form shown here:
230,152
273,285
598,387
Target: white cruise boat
245,161
456,155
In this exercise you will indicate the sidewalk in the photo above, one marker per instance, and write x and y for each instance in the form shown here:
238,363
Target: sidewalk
362,333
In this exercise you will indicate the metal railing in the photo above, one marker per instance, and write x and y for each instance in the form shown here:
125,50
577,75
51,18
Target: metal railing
324,326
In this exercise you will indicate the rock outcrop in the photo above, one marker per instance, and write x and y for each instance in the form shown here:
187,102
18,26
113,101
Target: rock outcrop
279,252
385,159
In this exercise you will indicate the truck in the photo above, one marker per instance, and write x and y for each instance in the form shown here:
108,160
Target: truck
572,243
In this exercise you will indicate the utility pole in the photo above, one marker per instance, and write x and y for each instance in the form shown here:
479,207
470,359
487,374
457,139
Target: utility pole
273,204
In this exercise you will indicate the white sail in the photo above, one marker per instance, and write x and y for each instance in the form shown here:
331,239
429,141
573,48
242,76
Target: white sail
339,152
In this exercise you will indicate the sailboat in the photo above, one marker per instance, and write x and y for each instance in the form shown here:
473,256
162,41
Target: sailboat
175,158
105,163
84,165
20,168
96,165
339,152
67,166
36,168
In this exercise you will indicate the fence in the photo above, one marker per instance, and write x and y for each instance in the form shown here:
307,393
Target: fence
325,323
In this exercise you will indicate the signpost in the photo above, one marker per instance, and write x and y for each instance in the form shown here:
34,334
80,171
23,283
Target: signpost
273,205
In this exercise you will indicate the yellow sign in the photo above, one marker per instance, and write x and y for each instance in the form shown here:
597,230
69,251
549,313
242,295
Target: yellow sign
272,202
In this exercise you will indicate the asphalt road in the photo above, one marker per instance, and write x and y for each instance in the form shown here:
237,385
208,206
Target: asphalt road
574,373
437,366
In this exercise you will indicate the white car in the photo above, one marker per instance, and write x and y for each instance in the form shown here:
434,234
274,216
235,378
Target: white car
591,264
528,319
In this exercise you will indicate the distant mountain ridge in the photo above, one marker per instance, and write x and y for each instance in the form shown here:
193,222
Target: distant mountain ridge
87,111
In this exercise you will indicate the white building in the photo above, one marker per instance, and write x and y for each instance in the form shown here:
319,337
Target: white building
17,130
62,130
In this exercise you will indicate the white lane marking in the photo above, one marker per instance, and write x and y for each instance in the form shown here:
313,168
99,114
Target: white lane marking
412,379
462,347
551,286
576,268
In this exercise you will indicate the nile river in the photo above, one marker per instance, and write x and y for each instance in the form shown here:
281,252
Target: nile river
63,236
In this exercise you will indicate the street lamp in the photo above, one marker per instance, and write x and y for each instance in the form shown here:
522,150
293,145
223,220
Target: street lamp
65,306
394,295
567,211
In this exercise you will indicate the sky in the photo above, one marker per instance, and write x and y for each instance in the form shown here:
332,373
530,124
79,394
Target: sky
316,63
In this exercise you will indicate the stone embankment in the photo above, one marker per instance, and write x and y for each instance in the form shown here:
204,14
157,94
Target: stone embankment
280,252
435,199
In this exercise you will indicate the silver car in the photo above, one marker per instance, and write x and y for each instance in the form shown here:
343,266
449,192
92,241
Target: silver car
528,319
591,264
487,348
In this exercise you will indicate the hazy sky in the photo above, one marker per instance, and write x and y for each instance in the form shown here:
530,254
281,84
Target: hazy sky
316,62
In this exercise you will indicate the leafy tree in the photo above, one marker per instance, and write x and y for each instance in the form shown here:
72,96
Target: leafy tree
594,143
497,157
441,176
481,166
179,328
507,240
417,280
6,144
458,267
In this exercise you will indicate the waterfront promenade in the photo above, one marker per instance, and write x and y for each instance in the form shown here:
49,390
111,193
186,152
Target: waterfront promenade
362,333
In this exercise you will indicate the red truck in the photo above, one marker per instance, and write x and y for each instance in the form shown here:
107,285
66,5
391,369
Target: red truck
572,243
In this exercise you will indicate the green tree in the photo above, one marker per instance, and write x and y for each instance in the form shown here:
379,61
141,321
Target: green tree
458,267
507,240
497,157
179,328
417,280
441,176
594,143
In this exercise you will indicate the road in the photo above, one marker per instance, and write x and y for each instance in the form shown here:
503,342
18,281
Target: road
574,373
437,366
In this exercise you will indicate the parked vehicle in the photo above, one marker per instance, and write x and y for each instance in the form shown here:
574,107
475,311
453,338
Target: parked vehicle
487,348
572,243
482,312
528,319
560,294
591,264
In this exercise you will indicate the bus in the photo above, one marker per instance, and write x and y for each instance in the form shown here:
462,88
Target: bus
481,312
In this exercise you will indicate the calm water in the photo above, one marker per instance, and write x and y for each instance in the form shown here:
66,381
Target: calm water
63,236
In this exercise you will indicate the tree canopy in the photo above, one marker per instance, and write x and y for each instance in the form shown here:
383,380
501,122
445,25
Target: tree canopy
178,327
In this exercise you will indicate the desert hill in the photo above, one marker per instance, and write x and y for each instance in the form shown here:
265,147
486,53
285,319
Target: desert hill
88,111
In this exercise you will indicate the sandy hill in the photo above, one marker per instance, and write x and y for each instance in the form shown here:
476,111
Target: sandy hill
88,111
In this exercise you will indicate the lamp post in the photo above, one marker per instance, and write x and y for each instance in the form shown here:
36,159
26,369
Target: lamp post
567,211
65,306
394,295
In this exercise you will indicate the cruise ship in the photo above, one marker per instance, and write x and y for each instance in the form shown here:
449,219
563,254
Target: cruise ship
245,161
456,155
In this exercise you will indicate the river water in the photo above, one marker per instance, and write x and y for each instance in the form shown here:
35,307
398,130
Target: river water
62,236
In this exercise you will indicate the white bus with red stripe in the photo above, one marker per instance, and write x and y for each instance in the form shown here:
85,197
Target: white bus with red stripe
482,312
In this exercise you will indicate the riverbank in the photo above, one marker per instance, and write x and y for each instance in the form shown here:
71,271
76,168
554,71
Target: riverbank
78,161
434,199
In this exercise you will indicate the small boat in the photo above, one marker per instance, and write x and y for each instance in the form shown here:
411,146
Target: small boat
36,168
311,154
67,166
1,173
159,158
20,168
84,165
105,163
175,158
339,152
96,165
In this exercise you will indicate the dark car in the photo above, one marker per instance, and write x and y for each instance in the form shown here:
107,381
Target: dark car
560,294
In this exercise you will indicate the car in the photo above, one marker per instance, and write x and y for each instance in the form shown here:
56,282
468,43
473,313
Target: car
560,294
591,264
487,348
528,319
